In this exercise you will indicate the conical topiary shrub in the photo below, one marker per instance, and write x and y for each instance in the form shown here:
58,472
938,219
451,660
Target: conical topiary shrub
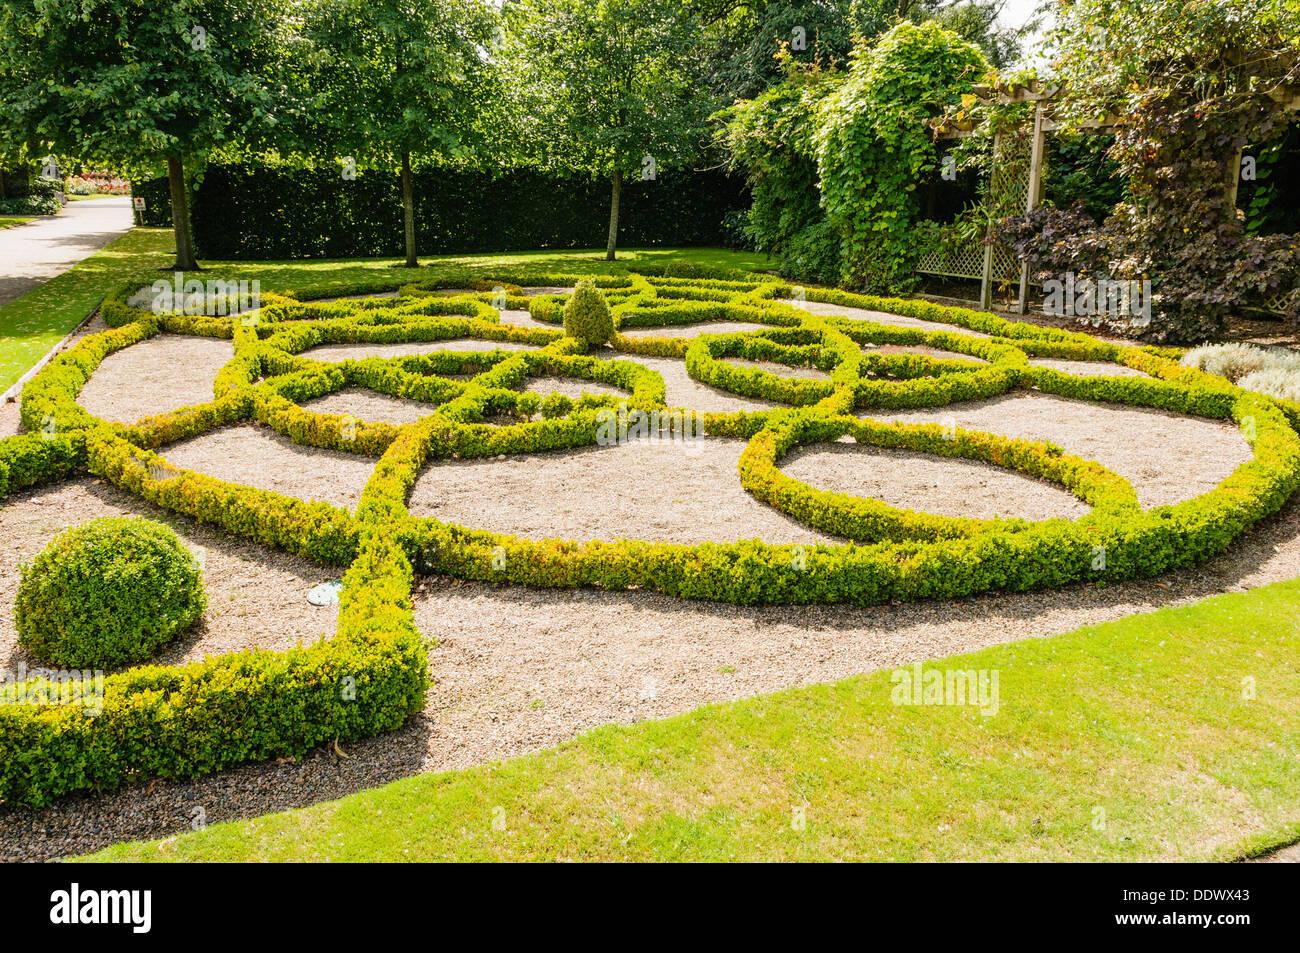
587,316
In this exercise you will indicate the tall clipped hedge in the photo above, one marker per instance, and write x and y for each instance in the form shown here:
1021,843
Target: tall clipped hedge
255,212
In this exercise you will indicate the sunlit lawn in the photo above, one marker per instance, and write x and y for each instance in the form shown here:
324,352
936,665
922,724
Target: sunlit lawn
1172,735
34,323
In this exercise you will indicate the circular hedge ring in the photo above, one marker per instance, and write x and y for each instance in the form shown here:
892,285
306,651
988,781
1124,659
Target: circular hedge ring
795,347
108,593
868,520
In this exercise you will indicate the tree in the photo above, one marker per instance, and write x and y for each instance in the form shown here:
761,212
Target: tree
134,83
874,148
745,39
609,87
385,80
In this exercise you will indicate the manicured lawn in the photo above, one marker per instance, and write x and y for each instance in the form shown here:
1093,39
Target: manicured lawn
39,319
1126,741
320,278
6,222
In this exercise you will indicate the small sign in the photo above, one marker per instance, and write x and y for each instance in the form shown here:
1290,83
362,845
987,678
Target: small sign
326,594
137,203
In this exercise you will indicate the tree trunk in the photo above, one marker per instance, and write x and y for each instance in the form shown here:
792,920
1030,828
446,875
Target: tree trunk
185,260
408,210
613,215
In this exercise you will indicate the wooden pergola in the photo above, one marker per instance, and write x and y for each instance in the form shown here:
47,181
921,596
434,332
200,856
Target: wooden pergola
1044,122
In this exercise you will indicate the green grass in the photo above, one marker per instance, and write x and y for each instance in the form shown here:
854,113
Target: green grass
320,278
34,323
38,320
5,222
1143,719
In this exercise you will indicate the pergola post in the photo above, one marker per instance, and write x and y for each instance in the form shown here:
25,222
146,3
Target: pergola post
1033,195
986,276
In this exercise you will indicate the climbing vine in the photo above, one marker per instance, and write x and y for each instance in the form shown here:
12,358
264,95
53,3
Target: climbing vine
874,148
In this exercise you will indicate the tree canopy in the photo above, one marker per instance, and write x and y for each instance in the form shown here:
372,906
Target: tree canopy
135,83
610,87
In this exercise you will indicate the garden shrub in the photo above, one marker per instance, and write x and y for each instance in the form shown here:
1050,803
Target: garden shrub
556,405
770,139
108,593
1233,361
587,317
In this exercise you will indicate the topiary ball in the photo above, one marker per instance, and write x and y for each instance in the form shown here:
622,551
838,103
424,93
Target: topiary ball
587,316
107,593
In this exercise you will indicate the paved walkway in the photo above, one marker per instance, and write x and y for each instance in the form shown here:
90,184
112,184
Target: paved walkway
38,250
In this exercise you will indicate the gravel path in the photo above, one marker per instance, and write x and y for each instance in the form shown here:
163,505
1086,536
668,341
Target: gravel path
682,390
370,406
651,490
257,456
917,481
520,670
256,596
154,376
1168,457
10,420
344,352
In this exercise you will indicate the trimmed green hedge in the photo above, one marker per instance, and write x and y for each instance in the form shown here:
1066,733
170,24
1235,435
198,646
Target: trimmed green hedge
319,214
107,593
184,721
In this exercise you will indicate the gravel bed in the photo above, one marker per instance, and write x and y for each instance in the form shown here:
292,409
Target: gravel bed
521,670
256,596
780,370
674,492
682,390
695,330
525,320
1087,368
345,352
881,317
924,350
533,290
1167,457
253,455
573,387
370,406
154,376
944,485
